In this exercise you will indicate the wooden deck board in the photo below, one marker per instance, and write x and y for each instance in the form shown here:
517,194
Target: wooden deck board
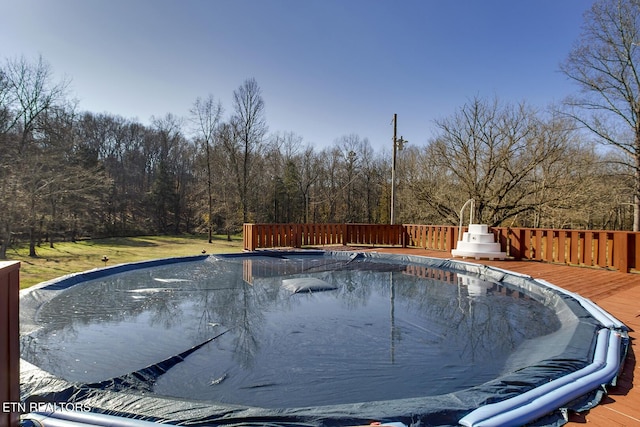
617,293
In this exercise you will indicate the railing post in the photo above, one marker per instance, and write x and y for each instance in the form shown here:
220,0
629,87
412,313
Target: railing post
452,238
573,247
550,245
9,339
403,236
525,246
297,235
518,244
503,236
621,251
634,252
603,262
244,236
537,244
586,250
561,255
250,236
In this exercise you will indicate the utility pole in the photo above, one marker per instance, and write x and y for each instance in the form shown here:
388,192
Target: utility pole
397,145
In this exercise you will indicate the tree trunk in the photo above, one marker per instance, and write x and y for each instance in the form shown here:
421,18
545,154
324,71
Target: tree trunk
209,195
6,237
32,242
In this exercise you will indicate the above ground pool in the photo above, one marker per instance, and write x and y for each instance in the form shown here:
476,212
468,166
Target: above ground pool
313,338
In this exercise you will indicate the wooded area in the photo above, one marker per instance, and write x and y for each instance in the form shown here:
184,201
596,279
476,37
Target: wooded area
66,174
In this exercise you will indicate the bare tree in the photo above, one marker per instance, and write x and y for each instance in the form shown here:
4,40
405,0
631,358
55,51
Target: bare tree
250,128
27,91
500,156
206,114
75,185
605,63
424,199
326,205
350,150
166,194
308,166
227,154
5,104
282,199
362,178
374,179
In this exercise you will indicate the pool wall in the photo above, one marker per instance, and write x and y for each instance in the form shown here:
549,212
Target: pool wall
498,403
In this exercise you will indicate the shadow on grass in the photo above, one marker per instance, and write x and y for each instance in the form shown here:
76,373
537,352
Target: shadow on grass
151,241
136,242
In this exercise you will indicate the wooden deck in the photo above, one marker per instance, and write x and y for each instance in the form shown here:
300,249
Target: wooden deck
618,293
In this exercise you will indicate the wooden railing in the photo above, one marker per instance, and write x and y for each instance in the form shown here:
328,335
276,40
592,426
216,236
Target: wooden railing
618,250
9,342
432,237
298,235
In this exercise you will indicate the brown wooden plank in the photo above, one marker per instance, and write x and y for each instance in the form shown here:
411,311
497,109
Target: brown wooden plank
269,232
537,244
431,237
602,249
282,236
261,236
562,247
589,244
620,260
574,245
634,251
515,243
549,249
321,234
527,253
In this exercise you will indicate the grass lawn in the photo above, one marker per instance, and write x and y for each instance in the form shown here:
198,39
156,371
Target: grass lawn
67,257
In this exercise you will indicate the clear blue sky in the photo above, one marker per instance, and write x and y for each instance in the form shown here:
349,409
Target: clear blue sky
327,68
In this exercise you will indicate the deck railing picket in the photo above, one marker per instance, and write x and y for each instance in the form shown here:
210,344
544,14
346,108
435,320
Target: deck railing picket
549,237
562,246
574,248
634,249
602,249
588,249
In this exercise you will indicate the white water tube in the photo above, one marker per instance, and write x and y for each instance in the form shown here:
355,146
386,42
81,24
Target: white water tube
85,419
543,400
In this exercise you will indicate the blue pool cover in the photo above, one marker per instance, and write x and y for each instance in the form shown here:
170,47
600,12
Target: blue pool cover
313,338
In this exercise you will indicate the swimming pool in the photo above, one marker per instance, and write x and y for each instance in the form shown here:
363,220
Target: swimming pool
307,338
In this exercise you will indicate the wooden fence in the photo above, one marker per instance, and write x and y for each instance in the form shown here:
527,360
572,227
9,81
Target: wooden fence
618,250
9,342
298,235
